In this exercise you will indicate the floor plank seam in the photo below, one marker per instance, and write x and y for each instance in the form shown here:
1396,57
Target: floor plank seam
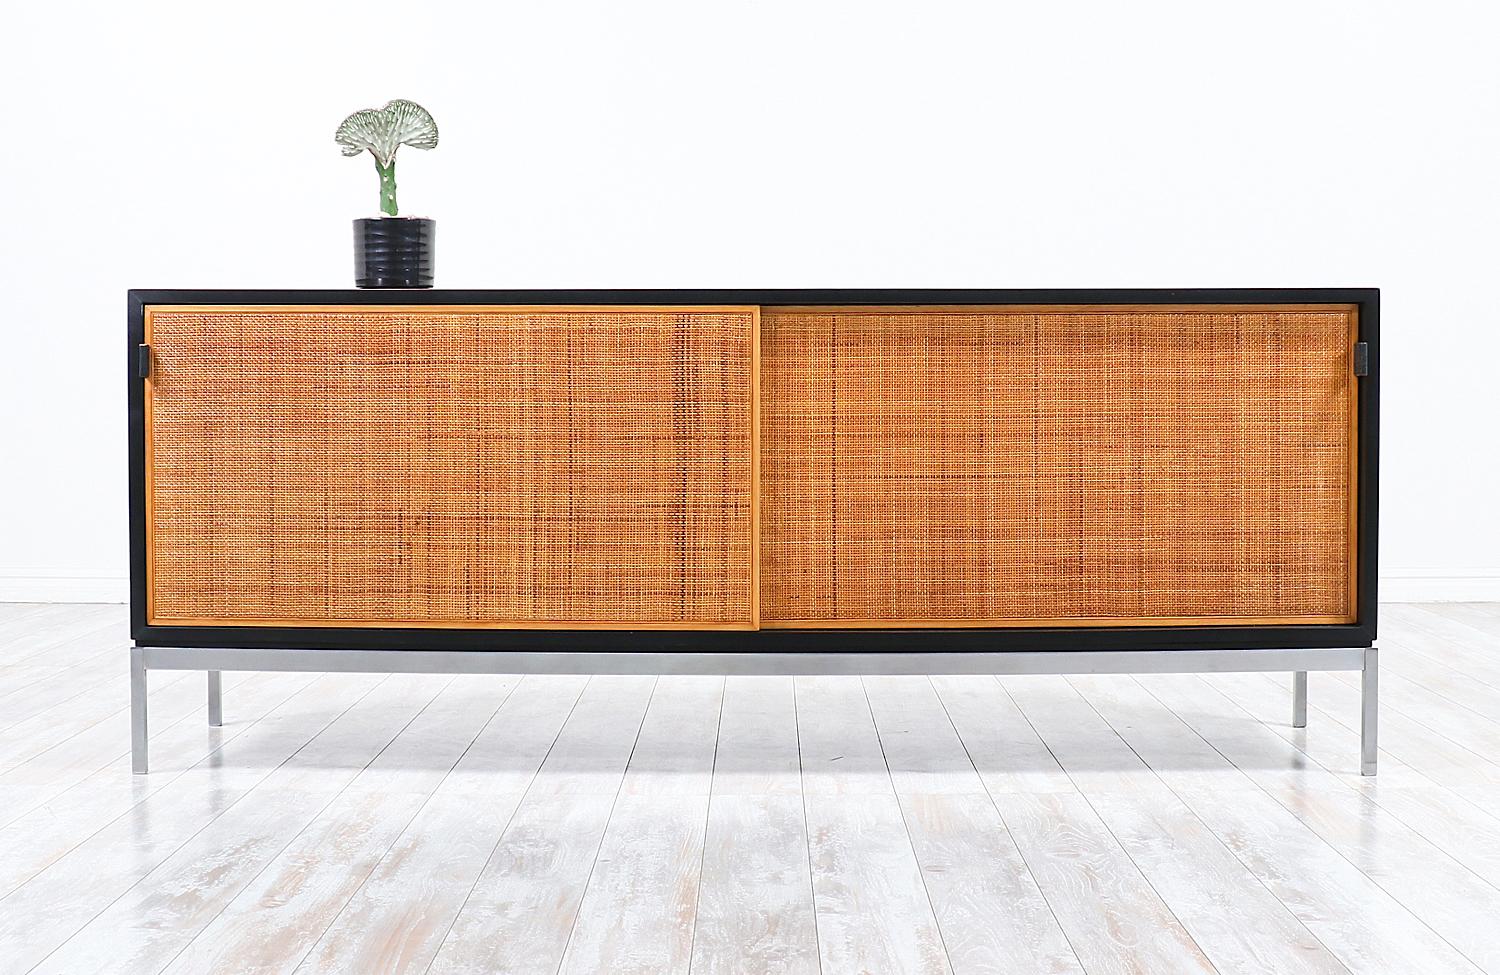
905,827
562,958
168,780
375,864
500,835
114,759
166,783
1386,708
1363,797
707,816
1010,836
1374,794
198,831
812,888
309,822
1083,793
1334,849
1156,774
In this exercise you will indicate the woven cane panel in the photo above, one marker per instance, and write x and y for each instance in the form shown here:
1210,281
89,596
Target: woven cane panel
451,467
1085,467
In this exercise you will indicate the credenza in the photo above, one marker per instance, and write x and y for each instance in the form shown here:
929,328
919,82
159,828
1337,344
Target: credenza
737,481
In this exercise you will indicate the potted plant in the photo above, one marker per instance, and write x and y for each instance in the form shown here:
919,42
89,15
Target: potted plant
390,251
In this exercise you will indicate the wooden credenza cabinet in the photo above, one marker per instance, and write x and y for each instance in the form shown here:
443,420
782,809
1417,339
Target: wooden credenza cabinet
754,470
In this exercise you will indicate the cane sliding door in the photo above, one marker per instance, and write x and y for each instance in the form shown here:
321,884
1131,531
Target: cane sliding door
451,466
1058,466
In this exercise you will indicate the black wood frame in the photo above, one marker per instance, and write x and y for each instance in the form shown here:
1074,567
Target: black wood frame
1361,633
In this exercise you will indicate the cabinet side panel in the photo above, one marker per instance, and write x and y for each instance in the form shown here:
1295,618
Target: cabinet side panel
1030,467
451,466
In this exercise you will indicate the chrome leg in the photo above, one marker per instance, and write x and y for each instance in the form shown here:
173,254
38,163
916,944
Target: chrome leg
215,698
1269,660
137,710
1299,699
1369,712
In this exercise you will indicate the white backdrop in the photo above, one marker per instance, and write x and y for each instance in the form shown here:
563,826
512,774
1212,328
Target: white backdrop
767,144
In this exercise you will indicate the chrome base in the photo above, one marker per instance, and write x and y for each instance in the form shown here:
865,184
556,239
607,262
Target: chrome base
218,659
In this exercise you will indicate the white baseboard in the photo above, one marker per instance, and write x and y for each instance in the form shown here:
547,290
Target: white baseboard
50,585
1440,586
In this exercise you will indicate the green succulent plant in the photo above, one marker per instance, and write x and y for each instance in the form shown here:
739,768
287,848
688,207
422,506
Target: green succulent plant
382,131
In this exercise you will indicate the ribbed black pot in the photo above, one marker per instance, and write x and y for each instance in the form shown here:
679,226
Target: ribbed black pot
394,252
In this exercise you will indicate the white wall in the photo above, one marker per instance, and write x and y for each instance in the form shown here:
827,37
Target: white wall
785,144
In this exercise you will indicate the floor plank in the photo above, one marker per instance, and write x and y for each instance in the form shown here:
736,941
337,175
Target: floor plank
1405,736
1467,645
1006,750
279,913
639,908
755,904
508,752
1368,929
70,646
837,744
271,925
757,752
638,912
1243,927
1446,895
144,929
1463,828
871,905
10,612
591,755
47,774
29,640
1326,741
50,824
50,908
922,751
1484,617
398,918
988,906
41,732
1113,919
522,909
33,688
990,911
674,755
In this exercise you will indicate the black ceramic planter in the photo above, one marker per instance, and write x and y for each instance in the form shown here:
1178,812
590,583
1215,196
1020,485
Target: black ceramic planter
394,252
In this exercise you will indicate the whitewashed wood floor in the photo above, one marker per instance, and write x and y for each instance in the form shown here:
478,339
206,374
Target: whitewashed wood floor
642,825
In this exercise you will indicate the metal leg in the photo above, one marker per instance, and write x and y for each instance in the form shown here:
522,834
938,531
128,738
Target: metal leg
215,699
137,710
1268,660
1299,699
1369,712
